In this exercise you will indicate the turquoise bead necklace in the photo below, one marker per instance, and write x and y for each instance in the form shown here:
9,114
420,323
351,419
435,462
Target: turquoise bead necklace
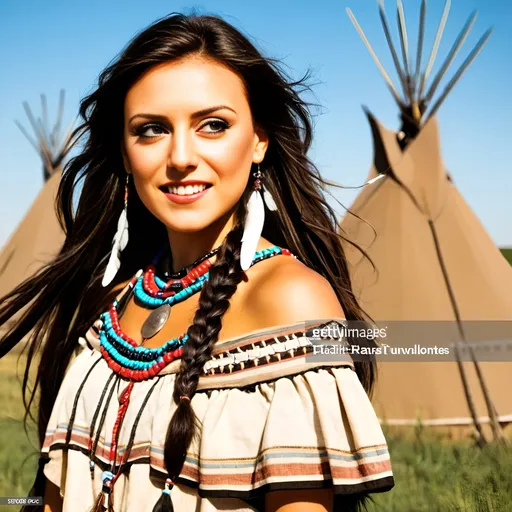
155,302
130,359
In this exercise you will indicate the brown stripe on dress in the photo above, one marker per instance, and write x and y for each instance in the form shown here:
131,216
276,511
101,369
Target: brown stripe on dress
326,468
311,470
269,333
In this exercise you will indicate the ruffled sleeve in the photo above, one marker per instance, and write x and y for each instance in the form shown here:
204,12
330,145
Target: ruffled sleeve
313,428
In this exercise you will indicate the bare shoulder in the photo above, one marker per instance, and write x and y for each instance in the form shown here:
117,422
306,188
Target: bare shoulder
288,292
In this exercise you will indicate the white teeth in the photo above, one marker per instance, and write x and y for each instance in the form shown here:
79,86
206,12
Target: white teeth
185,191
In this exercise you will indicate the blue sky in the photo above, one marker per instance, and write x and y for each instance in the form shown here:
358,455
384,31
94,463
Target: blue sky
46,46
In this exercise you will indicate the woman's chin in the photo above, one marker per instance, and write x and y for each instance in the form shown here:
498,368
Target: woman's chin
190,223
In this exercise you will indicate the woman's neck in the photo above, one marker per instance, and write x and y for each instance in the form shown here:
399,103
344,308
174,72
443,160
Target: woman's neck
187,247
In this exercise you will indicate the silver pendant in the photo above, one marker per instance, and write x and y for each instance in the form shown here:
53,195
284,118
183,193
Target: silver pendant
155,321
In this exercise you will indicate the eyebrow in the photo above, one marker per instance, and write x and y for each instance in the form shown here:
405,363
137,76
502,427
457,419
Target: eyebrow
199,113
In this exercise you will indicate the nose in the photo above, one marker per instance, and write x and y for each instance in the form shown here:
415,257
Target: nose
182,153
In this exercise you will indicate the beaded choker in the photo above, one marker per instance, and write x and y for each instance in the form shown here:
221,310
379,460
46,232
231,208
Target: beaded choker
152,292
184,271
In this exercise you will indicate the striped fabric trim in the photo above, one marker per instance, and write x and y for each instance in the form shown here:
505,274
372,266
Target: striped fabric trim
256,354
282,464
248,362
290,464
260,356
55,439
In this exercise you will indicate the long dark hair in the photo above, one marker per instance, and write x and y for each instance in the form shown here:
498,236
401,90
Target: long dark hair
66,296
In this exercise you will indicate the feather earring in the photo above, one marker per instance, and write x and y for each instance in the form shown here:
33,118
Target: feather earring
269,200
119,243
253,223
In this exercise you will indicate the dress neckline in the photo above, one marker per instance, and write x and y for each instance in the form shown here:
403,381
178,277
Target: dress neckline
256,335
277,330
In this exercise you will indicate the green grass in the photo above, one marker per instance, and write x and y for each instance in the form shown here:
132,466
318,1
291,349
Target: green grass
18,458
507,252
18,447
432,474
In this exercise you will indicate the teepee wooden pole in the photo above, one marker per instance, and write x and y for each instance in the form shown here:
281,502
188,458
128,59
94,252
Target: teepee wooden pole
391,46
404,43
419,51
376,59
56,129
43,155
28,137
435,48
465,385
451,84
44,115
67,143
497,430
453,53
45,143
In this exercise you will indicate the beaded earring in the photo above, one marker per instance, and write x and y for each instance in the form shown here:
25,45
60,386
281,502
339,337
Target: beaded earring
120,241
255,220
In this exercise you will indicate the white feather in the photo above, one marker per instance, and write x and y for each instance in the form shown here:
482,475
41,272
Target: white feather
122,229
112,267
119,243
269,200
373,180
252,229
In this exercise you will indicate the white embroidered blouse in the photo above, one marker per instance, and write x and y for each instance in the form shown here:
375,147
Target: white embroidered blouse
273,417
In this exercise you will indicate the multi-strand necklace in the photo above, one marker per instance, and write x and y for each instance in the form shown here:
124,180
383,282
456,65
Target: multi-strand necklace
135,362
132,360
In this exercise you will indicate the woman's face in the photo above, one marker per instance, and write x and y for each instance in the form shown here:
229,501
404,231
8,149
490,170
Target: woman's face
189,121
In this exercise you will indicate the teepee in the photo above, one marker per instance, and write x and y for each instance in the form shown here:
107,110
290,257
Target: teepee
434,260
39,236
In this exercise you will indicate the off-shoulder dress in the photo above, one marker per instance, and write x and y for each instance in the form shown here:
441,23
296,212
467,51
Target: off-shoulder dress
273,417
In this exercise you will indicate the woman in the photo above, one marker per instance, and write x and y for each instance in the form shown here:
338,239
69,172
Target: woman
214,406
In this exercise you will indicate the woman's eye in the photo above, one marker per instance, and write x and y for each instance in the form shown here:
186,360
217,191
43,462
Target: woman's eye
216,125
140,131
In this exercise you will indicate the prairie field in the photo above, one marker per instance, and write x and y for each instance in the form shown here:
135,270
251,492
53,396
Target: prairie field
432,474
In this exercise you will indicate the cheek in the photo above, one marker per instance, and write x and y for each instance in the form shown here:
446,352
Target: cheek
145,163
232,158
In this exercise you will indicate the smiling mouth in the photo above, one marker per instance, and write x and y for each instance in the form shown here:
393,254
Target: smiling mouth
188,190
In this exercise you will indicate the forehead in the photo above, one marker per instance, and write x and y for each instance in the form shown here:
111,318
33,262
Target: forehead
191,83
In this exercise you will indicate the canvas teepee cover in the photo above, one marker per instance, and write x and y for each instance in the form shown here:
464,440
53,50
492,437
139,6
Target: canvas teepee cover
410,283
434,262
38,237
36,240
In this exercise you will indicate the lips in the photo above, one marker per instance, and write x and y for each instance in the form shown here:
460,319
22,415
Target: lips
187,193
186,188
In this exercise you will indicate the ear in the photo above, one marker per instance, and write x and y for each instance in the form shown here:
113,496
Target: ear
260,144
125,158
